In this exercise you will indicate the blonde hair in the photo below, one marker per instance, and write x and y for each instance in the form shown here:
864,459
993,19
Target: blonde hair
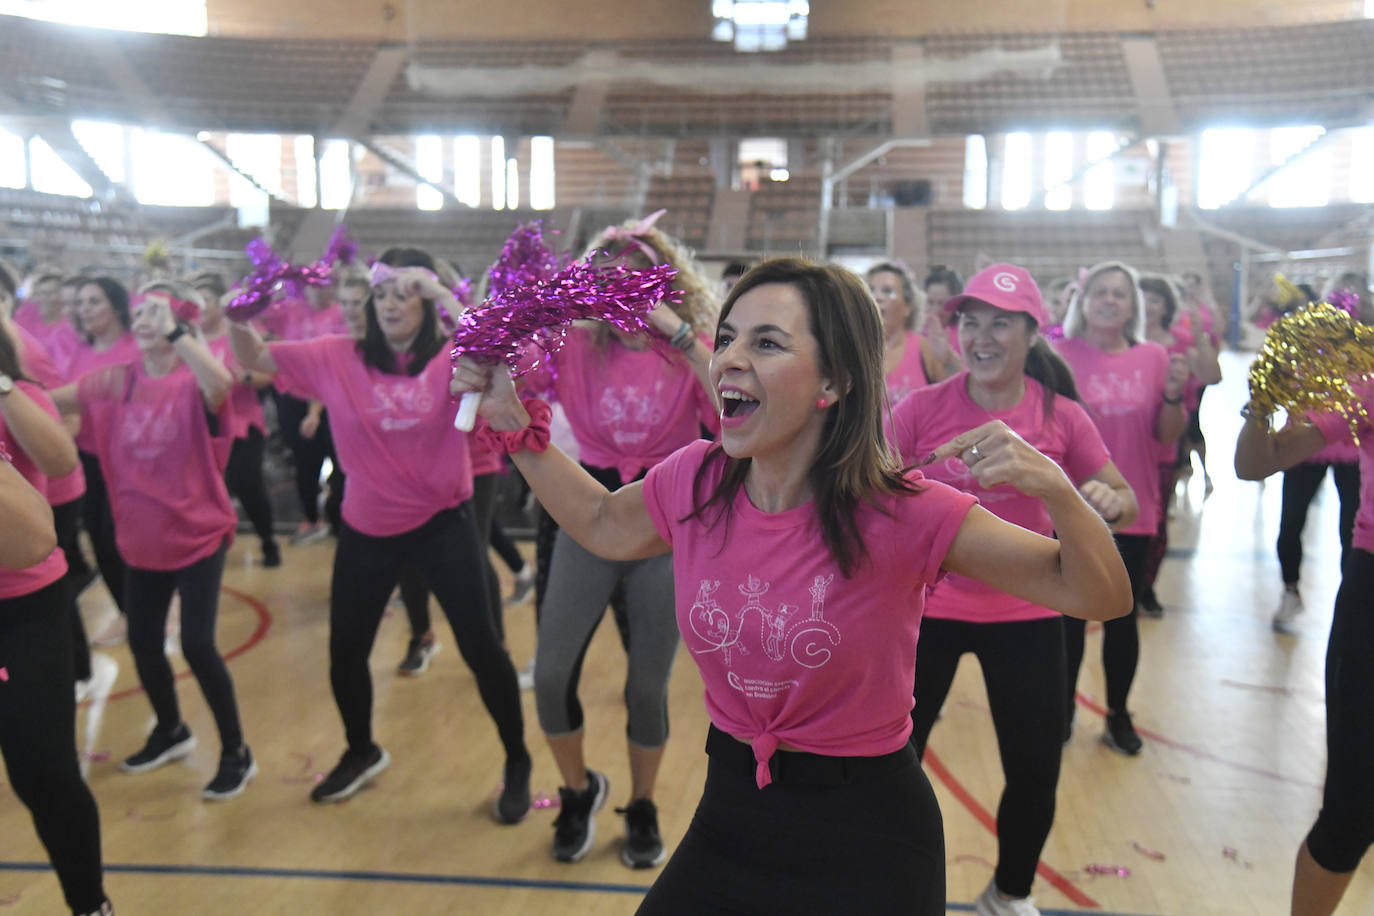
1134,330
699,306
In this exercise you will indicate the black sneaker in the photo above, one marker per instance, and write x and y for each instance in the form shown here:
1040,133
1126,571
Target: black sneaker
418,654
235,770
271,554
354,771
1120,735
514,802
643,846
1149,604
574,828
162,748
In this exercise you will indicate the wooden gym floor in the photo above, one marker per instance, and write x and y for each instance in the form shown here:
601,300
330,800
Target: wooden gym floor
1205,821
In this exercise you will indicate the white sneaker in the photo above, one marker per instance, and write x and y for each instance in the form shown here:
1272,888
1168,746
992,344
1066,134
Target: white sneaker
104,672
526,676
992,903
1285,618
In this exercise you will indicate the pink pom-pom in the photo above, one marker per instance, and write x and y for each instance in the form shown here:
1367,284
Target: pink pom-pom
341,249
1347,300
524,260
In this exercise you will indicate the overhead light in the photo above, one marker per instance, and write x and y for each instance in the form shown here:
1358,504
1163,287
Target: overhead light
759,25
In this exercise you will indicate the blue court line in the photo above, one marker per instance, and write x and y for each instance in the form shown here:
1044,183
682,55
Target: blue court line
235,871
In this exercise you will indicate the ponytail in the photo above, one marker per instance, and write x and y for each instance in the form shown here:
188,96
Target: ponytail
1049,369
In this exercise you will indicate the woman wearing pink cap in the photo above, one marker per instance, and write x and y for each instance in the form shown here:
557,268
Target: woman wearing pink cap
1013,376
801,556
408,503
37,708
162,428
1133,390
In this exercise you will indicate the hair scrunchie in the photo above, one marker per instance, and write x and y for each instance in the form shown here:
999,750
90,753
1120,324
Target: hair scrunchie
534,436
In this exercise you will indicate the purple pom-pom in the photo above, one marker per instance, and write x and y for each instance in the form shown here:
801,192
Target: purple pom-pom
524,261
341,248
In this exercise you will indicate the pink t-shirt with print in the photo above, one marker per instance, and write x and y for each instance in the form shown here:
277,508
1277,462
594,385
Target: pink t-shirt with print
296,319
1335,429
243,398
789,649
910,373
38,365
393,433
59,338
933,416
87,359
163,468
17,582
629,409
1124,393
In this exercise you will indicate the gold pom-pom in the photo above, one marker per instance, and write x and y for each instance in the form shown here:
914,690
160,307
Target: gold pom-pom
157,255
1314,360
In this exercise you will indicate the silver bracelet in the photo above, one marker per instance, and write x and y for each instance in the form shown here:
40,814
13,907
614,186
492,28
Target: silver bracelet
683,337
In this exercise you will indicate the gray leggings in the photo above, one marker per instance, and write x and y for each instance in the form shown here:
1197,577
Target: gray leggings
580,585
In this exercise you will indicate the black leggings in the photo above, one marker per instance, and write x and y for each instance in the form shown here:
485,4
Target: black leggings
449,555
38,740
99,522
244,479
1300,485
309,455
67,520
1023,669
149,597
505,548
1120,637
414,592
1344,829
871,842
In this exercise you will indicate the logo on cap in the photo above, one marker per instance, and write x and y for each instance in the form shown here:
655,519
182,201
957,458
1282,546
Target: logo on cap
1005,281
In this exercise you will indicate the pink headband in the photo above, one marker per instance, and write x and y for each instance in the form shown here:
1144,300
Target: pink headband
632,234
185,310
384,272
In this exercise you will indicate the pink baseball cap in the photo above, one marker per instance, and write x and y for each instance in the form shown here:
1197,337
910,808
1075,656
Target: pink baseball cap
1004,286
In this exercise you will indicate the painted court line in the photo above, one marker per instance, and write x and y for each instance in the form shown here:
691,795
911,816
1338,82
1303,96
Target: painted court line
321,874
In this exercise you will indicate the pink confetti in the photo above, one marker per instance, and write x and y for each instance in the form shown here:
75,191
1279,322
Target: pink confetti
4,674
1119,871
1148,853
543,800
9,901
304,775
1234,856
97,756
976,860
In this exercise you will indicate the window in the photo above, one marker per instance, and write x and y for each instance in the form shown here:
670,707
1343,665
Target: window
1225,165
168,17
104,142
975,172
51,175
429,162
759,25
467,169
336,175
1099,181
304,149
1361,164
11,160
1307,181
498,173
1016,171
1058,170
172,170
258,155
512,184
541,173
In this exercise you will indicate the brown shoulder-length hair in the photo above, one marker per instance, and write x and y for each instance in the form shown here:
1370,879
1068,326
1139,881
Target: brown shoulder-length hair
853,464
375,351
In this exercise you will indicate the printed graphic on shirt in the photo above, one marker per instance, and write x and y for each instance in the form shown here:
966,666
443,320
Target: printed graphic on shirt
631,411
1115,393
782,637
402,402
146,430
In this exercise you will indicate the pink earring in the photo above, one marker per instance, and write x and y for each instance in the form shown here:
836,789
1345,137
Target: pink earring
822,403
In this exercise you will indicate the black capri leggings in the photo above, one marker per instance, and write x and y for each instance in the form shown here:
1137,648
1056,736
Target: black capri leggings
1345,826
447,552
1120,637
1300,486
38,739
829,835
67,520
99,521
1023,668
244,479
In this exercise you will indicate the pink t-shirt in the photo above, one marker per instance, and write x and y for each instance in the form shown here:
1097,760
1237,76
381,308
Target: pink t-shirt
910,373
243,399
933,416
1124,393
16,582
162,466
87,359
629,409
789,649
484,460
1336,429
394,433
38,365
59,338
296,319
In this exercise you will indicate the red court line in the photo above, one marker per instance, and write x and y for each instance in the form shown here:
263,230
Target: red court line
1088,703
260,631
1066,887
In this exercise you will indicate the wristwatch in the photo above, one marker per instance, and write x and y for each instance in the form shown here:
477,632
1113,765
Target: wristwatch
6,384
177,332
